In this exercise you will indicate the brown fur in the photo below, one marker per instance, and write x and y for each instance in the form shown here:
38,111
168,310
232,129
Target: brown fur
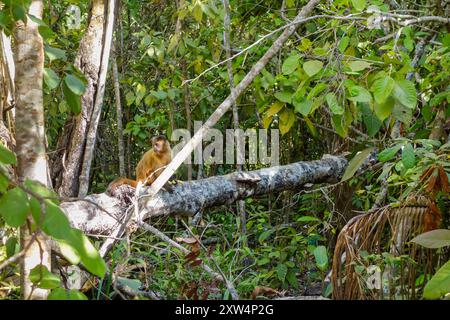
149,167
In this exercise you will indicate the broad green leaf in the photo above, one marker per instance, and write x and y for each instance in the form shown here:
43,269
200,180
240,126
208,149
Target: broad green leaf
408,156
371,122
339,126
439,285
312,67
284,96
90,257
359,94
55,53
42,278
74,84
281,271
303,107
384,109
343,43
14,207
130,98
11,245
63,294
290,64
69,252
72,99
382,88
55,222
405,93
42,190
7,156
131,283
358,65
140,92
321,256
359,5
334,105
433,239
197,12
355,163
51,79
402,113
389,153
161,95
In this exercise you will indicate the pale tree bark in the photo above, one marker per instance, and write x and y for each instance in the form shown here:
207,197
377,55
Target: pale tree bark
71,144
226,104
119,117
30,135
102,213
99,94
239,147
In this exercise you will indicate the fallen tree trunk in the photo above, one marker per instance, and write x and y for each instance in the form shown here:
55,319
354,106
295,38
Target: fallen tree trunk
101,213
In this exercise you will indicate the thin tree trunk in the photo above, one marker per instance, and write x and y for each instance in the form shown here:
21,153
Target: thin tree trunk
70,147
119,118
95,118
226,104
227,43
30,138
187,109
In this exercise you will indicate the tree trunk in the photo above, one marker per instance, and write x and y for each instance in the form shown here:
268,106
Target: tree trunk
30,136
119,118
189,198
71,144
227,43
100,90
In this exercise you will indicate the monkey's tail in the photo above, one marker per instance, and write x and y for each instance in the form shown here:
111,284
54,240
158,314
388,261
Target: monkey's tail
121,181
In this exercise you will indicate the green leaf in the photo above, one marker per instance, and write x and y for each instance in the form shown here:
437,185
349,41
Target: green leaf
439,285
161,95
197,12
54,53
303,107
7,156
389,153
290,64
343,43
355,163
358,65
433,239
51,79
42,190
284,96
281,271
334,104
14,207
19,12
308,219
382,88
90,257
10,245
55,222
359,94
131,283
292,278
42,278
359,5
73,100
263,236
321,256
62,294
408,156
384,109
75,84
402,113
405,93
312,67
371,122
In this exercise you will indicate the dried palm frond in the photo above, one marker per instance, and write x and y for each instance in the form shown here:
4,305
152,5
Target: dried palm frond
384,231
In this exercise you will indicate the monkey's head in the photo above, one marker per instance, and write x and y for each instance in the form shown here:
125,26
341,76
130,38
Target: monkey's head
160,144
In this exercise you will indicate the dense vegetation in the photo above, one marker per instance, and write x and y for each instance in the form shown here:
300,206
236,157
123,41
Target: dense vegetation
364,79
